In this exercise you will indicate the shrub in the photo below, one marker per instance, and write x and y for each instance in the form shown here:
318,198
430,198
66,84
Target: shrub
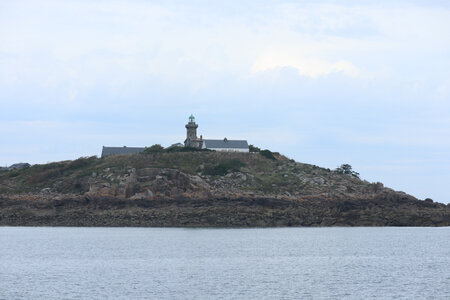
267,154
223,168
157,148
14,173
252,148
81,163
45,175
53,165
186,149
347,169
271,182
177,149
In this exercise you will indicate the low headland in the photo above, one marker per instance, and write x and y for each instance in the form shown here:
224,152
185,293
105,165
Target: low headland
204,188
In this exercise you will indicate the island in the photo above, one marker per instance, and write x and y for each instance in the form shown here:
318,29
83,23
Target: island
191,187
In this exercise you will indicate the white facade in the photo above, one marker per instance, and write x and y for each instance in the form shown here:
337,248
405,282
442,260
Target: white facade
228,149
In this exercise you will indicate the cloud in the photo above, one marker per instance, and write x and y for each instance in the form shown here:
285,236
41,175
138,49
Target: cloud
306,66
118,43
443,91
323,81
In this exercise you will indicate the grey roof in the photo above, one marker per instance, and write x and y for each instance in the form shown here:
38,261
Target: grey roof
224,144
107,151
18,166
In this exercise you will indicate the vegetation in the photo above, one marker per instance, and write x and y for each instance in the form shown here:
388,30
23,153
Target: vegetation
63,176
202,188
186,149
262,171
252,148
233,165
157,148
154,149
347,169
267,154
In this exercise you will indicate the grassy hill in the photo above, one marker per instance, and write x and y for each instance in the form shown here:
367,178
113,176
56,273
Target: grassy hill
272,176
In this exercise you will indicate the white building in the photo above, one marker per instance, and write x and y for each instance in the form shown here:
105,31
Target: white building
218,145
226,145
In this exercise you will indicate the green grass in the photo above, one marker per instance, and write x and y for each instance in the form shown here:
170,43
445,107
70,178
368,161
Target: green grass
233,165
73,176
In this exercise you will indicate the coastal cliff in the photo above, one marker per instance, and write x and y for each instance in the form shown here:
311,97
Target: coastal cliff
203,189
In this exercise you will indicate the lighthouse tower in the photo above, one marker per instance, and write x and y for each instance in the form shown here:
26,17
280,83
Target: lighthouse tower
191,134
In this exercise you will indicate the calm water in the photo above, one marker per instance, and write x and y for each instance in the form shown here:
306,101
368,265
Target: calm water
279,263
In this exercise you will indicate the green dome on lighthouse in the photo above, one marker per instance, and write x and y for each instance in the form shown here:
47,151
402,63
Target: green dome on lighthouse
191,118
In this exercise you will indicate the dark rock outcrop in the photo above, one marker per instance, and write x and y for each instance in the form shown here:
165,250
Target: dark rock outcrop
219,211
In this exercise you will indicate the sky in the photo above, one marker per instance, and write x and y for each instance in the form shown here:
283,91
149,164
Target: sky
322,82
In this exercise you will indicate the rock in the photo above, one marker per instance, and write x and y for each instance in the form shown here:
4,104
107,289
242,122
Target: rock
106,191
318,180
131,178
198,181
147,195
46,191
179,197
341,188
122,184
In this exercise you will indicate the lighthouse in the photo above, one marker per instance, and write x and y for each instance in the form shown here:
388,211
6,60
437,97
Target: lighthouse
191,134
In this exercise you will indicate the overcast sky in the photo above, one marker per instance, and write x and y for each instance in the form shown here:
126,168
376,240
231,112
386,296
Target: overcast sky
323,82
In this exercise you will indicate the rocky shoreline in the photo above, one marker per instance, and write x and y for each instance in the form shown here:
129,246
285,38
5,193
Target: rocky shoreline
220,212
177,190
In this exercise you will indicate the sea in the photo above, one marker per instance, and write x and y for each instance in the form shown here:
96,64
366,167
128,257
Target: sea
199,263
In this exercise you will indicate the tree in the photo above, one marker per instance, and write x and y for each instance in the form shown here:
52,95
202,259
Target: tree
252,148
154,149
267,154
347,169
